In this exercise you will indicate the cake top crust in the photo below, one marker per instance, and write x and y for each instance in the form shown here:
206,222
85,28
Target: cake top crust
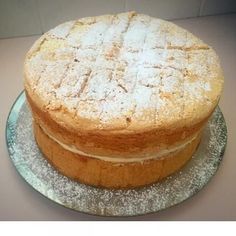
123,72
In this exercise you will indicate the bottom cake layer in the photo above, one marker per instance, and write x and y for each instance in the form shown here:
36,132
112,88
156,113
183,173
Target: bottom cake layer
106,174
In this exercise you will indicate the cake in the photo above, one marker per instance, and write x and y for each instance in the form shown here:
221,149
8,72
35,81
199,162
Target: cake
120,101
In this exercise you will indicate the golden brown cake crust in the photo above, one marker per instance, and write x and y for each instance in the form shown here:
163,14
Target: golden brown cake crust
111,175
115,144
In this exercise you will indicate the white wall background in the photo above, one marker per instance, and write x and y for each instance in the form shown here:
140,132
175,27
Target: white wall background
29,17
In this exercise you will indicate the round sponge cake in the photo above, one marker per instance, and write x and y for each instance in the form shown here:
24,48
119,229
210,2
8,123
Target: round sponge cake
120,100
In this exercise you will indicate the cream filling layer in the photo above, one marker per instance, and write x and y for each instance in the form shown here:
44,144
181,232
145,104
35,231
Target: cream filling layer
160,154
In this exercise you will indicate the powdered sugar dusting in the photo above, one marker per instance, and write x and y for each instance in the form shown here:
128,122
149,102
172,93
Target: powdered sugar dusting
124,65
61,31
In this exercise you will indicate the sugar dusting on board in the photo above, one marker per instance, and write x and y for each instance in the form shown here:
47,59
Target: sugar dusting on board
39,174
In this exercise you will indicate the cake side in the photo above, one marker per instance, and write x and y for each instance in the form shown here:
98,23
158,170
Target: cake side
107,174
116,144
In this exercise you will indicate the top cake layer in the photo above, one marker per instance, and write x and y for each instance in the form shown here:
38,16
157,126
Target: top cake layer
123,73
